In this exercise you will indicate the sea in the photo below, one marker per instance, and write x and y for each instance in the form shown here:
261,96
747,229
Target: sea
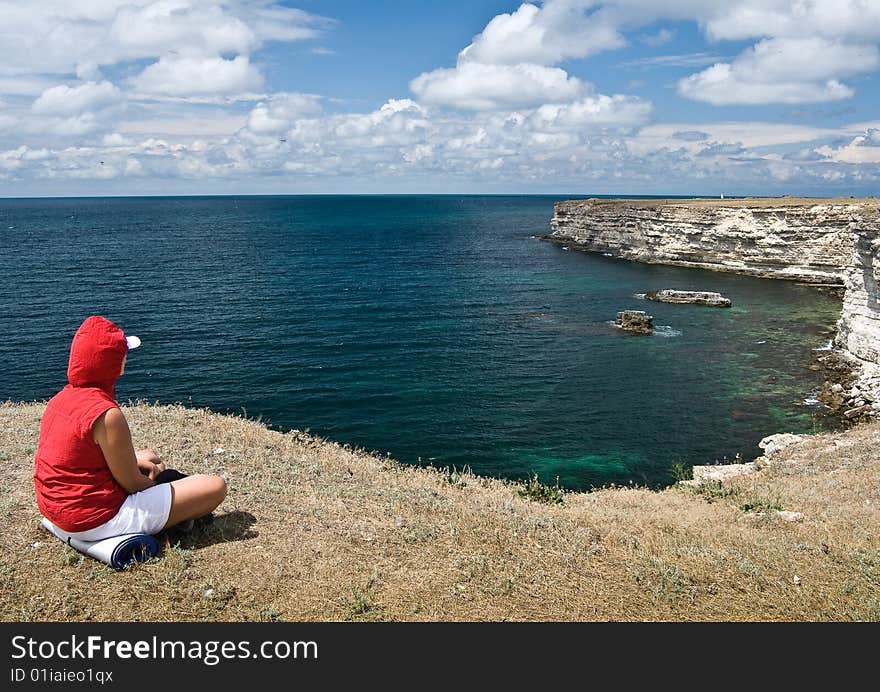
437,330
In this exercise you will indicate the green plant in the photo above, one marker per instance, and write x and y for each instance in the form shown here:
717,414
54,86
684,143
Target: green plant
534,490
269,614
360,606
455,477
712,491
680,471
72,559
757,503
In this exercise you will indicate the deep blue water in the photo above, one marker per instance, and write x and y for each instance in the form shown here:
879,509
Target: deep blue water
432,328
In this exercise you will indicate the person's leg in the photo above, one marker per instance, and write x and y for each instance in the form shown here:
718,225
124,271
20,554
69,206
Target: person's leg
145,511
194,496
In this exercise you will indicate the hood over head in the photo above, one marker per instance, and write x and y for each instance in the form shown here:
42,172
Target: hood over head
96,354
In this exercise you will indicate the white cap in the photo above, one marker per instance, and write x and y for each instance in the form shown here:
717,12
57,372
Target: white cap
132,341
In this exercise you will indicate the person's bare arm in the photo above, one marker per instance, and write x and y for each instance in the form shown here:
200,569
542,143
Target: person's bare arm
112,435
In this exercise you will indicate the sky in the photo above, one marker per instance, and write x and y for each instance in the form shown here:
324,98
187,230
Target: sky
681,97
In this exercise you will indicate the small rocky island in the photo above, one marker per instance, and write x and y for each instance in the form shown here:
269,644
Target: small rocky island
670,295
637,321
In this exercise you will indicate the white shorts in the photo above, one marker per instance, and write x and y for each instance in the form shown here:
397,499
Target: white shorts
142,512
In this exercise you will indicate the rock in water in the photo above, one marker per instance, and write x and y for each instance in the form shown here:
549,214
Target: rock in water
635,321
670,295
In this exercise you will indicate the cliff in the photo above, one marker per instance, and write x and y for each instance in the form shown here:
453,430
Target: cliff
822,241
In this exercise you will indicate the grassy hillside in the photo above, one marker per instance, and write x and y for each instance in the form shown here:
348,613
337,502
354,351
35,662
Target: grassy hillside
315,531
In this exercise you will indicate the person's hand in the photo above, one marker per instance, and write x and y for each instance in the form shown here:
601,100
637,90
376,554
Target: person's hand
149,463
151,469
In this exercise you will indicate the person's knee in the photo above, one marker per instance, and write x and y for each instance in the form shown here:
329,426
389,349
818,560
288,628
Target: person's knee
202,490
222,489
216,487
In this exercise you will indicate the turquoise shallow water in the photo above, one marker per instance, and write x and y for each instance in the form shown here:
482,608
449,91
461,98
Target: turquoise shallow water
432,328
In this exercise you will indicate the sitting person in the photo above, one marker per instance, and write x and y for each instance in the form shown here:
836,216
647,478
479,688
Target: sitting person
90,481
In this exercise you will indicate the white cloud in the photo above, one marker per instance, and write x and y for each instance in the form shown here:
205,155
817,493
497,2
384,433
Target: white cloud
57,37
807,59
745,19
280,111
114,139
403,138
749,134
776,71
73,126
25,86
851,153
722,85
803,53
617,111
417,153
658,39
687,60
478,86
65,100
510,64
272,21
199,29
393,118
863,149
17,158
580,144
184,123
199,76
64,111
543,36
690,136
161,54
520,115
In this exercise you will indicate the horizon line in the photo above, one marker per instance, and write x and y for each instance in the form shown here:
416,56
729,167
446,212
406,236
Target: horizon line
427,194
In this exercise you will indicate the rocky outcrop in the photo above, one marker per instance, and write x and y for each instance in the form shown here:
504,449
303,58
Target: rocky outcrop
772,238
718,473
670,295
819,241
636,321
858,329
771,445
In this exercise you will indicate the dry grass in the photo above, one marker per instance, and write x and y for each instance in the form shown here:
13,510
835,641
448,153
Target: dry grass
313,531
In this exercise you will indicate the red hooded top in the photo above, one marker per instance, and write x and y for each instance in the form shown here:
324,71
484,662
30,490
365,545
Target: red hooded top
75,489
